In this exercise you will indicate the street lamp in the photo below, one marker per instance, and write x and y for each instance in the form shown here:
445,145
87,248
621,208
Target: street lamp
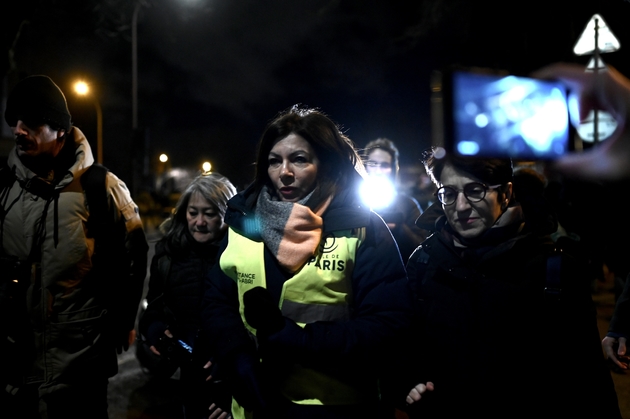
163,165
83,89
134,100
134,65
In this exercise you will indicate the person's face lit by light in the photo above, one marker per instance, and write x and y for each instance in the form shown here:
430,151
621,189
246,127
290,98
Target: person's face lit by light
293,168
379,163
471,219
37,139
205,223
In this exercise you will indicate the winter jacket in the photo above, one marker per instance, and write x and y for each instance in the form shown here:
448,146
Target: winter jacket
351,350
496,337
78,307
174,301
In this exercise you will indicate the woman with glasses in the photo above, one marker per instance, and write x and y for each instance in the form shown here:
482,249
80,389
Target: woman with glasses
507,326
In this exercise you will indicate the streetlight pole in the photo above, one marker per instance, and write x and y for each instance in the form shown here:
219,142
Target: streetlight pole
135,134
83,89
134,66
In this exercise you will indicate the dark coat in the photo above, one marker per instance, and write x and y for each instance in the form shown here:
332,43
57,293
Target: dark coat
403,213
494,343
174,301
381,307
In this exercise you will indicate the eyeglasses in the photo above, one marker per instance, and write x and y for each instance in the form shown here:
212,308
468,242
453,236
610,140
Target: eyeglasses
474,192
382,165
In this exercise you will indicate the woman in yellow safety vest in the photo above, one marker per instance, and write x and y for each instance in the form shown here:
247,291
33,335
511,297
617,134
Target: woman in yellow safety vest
309,292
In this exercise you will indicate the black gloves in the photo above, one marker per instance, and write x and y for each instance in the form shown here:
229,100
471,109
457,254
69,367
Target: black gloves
262,312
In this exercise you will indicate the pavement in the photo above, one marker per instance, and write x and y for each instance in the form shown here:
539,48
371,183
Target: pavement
133,394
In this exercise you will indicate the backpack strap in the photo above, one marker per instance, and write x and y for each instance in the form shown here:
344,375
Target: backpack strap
94,183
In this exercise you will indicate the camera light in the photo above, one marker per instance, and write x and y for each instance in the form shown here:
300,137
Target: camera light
377,192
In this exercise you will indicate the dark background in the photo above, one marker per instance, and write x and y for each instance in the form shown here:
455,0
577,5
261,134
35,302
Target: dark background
212,73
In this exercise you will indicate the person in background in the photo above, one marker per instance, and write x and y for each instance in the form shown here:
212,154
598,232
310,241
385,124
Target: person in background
70,283
510,320
171,324
615,343
309,292
402,211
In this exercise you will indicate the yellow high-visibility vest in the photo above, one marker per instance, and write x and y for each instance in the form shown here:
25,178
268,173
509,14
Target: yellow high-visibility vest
319,291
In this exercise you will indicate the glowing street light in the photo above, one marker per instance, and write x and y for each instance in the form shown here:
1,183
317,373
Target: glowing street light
206,167
83,89
163,158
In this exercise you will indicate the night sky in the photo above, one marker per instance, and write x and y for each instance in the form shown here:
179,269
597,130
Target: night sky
212,73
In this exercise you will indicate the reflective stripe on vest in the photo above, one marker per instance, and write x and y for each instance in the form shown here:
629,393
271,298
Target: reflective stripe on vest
320,291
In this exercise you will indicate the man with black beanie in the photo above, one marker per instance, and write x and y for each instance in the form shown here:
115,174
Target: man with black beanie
72,267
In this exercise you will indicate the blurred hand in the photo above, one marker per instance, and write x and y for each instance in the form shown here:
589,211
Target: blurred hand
416,393
619,357
606,90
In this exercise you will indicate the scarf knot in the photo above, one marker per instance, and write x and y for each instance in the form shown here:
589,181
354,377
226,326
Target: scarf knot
290,230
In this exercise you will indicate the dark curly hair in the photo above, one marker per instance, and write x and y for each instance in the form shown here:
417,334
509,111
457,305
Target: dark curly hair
492,171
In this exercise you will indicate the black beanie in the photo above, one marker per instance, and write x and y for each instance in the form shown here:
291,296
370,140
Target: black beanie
37,100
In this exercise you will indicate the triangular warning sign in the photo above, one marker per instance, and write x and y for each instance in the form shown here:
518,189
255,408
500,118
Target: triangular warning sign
606,41
596,64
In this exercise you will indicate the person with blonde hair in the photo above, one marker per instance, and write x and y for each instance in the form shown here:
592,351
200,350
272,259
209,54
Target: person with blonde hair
170,327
